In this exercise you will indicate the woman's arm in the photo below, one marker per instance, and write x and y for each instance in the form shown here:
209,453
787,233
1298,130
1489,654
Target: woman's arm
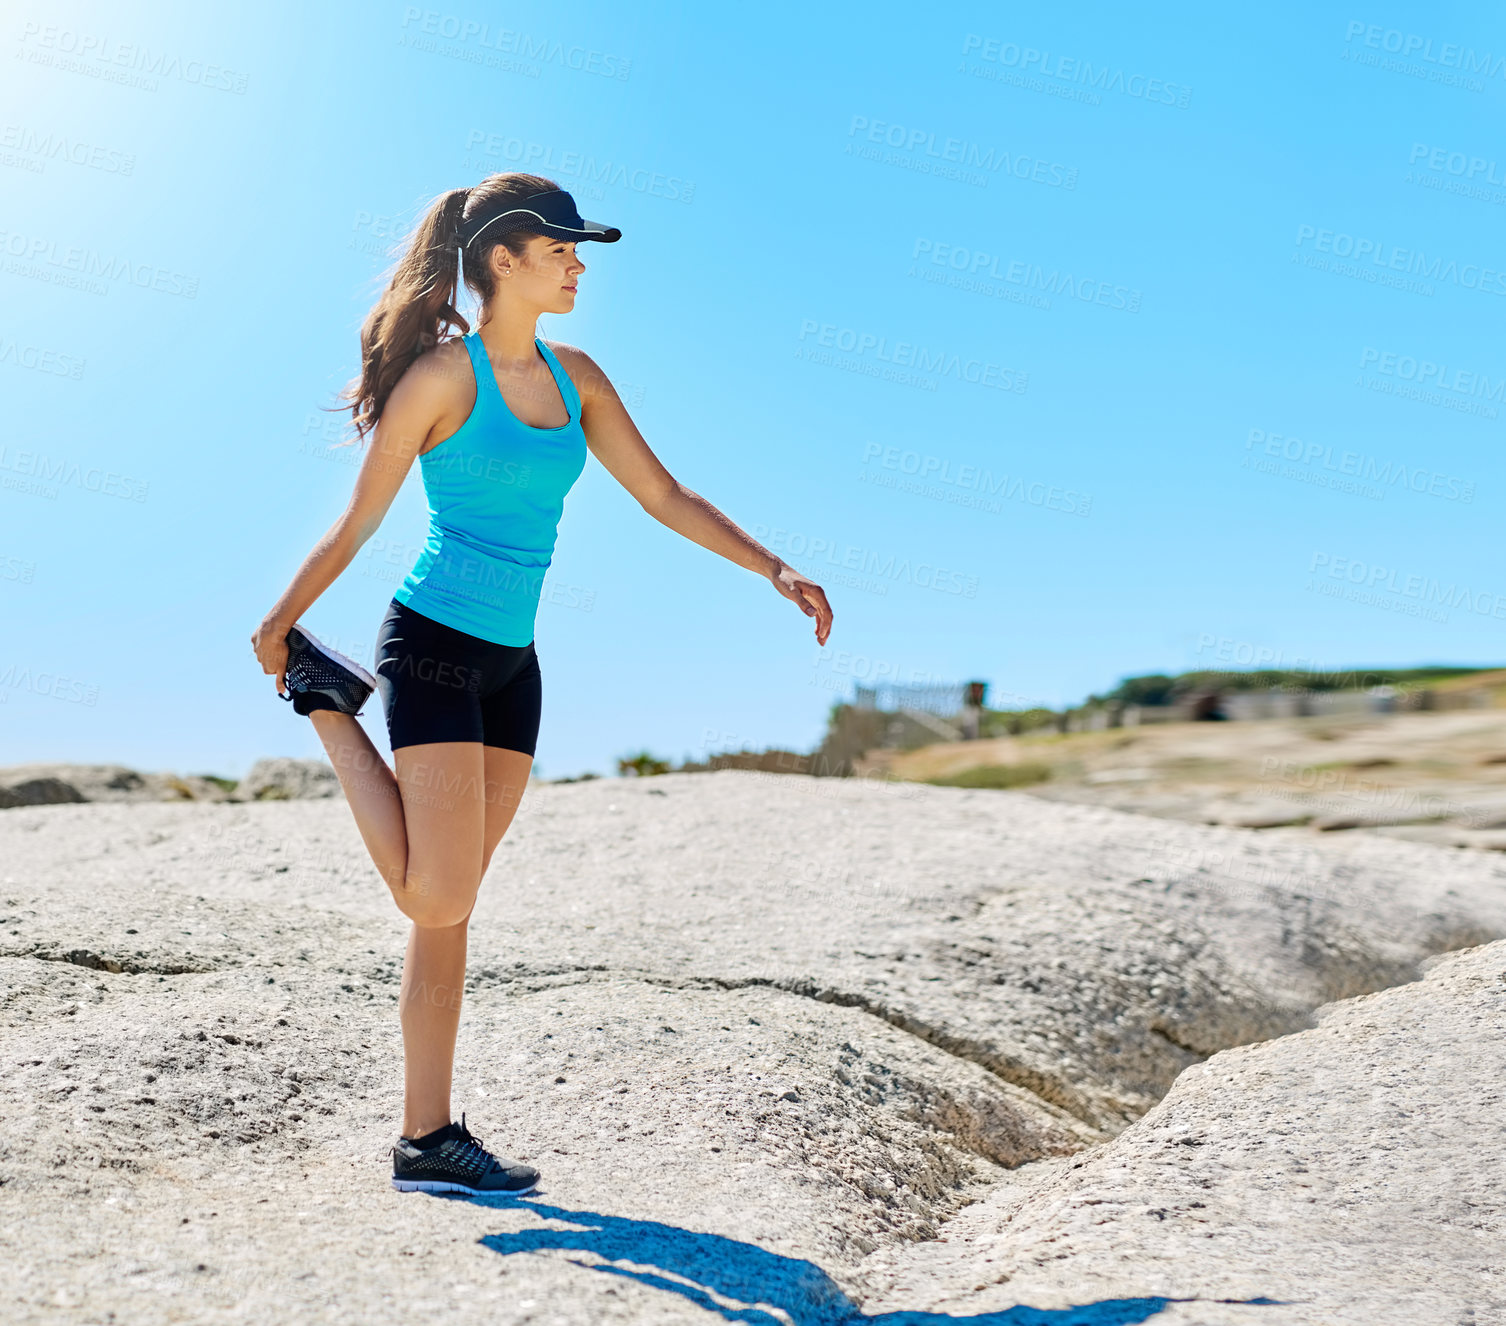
417,403
616,442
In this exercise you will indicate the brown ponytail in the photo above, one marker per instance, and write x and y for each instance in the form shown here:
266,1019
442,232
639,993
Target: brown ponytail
418,307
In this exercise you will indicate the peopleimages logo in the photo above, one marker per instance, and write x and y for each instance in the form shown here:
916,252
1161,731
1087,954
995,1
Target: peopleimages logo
101,55
1418,595
1412,45
1425,373
1328,790
545,159
46,259
955,153
1357,465
52,146
937,477
15,568
880,568
35,465
379,226
1465,165
54,685
907,354
508,41
40,359
1392,257
1070,69
977,264
1244,655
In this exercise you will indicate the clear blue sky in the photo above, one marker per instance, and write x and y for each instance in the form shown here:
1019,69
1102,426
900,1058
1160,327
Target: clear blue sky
1061,346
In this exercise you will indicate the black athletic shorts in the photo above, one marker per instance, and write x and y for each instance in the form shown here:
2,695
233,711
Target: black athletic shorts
440,684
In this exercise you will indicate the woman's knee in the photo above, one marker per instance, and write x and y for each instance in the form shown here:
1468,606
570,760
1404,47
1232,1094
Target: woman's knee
427,902
437,913
442,917
434,892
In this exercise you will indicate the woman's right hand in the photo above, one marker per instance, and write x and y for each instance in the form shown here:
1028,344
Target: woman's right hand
270,643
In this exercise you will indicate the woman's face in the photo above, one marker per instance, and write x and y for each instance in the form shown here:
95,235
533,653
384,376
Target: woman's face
545,276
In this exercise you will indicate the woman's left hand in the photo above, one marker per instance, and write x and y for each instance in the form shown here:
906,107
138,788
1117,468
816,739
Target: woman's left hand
807,595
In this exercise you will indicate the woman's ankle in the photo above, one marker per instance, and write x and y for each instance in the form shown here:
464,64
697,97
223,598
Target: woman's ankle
417,1132
333,718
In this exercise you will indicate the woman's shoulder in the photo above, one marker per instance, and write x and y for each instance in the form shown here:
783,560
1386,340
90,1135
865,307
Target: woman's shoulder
442,372
448,356
439,382
566,353
583,370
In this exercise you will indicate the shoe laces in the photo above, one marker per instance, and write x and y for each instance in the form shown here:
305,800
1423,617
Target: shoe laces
470,1144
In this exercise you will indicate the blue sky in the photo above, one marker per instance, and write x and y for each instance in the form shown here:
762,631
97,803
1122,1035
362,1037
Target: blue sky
1060,347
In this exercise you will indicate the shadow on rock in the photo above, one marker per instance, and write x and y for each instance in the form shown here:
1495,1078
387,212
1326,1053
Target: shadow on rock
745,1283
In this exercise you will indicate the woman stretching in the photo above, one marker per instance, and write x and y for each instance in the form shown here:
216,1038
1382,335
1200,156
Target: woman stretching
501,422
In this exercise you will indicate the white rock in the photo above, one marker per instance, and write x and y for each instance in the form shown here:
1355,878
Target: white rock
965,992
285,779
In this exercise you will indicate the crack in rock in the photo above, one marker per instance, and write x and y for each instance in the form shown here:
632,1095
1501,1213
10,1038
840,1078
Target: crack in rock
1052,1093
130,966
1157,1029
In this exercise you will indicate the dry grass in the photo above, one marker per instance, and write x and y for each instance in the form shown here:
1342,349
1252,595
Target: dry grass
1366,770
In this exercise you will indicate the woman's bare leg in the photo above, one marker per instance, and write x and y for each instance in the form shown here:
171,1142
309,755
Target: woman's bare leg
434,969
431,828
429,1008
370,790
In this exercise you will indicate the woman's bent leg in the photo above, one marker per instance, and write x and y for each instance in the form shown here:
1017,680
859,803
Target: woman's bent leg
428,827
370,790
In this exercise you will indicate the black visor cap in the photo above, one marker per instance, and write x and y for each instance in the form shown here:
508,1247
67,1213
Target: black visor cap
552,213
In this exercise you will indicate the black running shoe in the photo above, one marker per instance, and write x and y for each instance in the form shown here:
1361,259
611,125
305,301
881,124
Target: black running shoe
458,1164
317,677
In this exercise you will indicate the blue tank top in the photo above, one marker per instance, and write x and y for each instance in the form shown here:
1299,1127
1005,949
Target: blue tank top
496,488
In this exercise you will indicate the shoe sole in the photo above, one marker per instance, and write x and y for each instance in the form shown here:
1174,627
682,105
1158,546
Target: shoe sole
440,1185
348,663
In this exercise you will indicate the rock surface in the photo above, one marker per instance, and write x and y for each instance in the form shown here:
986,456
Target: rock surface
769,1039
55,784
276,779
1353,1172
284,779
